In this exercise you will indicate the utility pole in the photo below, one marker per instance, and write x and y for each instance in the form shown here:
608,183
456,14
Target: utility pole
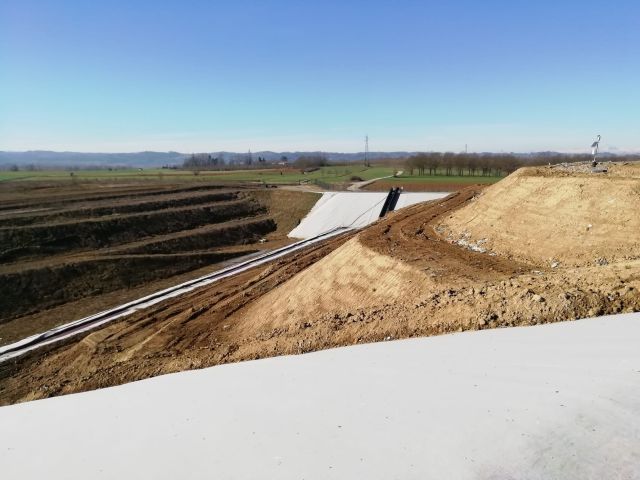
366,151
465,148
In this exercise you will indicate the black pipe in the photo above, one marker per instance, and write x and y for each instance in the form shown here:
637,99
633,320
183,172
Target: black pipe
387,202
394,200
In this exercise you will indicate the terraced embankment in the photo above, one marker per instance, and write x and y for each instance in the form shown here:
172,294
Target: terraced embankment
71,245
407,275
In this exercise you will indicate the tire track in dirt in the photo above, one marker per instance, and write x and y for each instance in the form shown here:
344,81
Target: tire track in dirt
187,332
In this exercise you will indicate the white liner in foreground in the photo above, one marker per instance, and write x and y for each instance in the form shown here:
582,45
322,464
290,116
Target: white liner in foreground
558,401
352,210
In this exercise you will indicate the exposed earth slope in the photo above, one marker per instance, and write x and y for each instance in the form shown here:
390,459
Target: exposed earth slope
556,214
404,276
68,250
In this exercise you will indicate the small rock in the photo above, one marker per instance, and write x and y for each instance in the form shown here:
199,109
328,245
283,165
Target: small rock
538,298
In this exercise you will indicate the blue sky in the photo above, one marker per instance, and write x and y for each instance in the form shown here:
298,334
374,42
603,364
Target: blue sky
115,76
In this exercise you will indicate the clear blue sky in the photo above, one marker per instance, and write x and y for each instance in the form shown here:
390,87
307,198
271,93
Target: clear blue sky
189,76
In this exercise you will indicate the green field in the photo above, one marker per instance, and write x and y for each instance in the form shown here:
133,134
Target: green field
274,175
446,179
328,175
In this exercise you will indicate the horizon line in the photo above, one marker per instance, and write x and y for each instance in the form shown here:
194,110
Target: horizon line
134,152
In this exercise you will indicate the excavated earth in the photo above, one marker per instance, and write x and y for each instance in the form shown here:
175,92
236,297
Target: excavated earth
71,250
425,270
561,215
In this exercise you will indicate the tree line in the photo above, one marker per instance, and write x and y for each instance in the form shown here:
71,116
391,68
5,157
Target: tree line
486,164
461,163
206,161
428,163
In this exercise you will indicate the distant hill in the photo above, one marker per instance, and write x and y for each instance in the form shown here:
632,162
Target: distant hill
44,159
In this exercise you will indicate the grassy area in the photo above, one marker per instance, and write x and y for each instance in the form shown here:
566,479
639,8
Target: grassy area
445,179
62,175
286,175
331,175
325,174
430,183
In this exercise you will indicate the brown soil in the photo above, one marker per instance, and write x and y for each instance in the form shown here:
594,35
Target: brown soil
170,336
287,207
16,197
399,278
399,257
47,239
98,208
24,326
37,289
64,244
553,216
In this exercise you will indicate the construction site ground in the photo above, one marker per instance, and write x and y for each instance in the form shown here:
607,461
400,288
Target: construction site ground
71,250
420,271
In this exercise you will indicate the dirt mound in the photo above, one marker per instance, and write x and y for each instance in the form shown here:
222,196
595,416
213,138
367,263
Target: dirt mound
397,259
552,216
350,277
410,235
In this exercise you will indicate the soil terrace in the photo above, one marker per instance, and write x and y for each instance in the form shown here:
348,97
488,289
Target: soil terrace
68,244
407,275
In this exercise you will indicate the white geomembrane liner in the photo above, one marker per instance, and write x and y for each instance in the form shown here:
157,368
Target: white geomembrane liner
558,401
352,209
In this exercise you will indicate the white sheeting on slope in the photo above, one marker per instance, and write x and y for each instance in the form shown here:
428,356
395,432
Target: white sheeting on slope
557,401
351,209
